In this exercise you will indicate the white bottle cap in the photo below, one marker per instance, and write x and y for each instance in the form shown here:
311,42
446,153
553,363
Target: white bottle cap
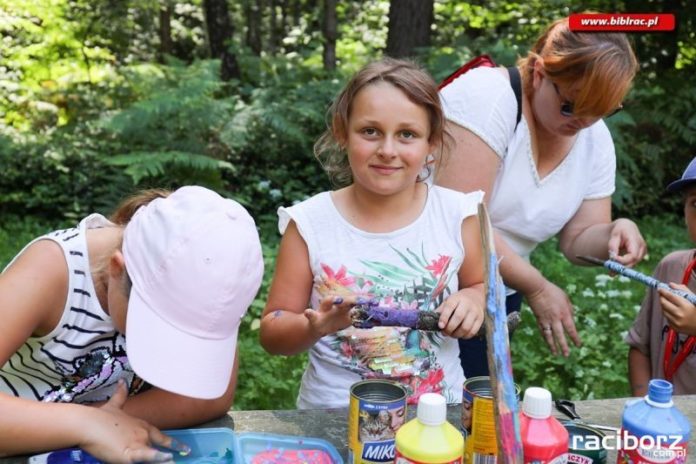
432,409
537,403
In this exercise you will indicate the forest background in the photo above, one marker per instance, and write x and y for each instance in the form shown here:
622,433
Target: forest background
99,98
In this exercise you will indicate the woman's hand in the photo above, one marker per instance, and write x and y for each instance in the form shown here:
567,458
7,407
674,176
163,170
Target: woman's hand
679,312
554,314
461,315
626,244
333,315
112,435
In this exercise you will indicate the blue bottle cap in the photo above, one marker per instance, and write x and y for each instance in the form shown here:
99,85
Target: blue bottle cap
660,391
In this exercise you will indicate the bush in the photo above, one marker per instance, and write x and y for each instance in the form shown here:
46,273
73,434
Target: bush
16,232
605,308
57,178
265,381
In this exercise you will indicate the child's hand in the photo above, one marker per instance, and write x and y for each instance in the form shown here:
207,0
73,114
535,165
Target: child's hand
679,312
112,435
461,315
332,316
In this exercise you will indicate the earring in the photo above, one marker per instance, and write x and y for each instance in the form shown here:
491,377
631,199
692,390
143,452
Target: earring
427,169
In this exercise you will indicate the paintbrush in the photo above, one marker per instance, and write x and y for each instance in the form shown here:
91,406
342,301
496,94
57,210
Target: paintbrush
638,276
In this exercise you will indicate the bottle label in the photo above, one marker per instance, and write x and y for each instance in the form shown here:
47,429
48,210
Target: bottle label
674,454
561,459
401,459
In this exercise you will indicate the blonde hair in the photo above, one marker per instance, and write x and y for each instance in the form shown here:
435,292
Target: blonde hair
127,208
603,62
121,217
414,82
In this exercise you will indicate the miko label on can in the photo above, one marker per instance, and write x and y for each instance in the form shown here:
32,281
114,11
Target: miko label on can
377,409
478,421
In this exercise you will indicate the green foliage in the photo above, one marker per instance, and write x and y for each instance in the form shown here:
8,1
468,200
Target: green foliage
56,178
171,136
605,308
141,165
265,381
655,138
16,232
271,134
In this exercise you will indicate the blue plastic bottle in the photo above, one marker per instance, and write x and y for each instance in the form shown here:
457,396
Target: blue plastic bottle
653,430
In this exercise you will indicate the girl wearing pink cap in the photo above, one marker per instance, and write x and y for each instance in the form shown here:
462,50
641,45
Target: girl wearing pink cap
385,236
170,273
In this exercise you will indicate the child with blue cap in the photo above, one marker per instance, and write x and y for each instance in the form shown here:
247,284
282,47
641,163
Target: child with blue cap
663,336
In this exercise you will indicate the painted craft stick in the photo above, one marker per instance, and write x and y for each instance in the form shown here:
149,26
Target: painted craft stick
638,276
505,403
370,314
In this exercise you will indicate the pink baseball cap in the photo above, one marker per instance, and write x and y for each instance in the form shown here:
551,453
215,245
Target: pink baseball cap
195,262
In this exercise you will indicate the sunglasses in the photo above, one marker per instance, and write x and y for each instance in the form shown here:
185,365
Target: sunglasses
567,106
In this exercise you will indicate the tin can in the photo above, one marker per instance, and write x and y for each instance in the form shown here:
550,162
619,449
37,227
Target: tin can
584,444
376,411
478,420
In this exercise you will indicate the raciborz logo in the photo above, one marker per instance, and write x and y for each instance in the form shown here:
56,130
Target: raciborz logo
660,447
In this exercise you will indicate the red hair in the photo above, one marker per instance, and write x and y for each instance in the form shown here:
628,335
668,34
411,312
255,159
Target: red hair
603,62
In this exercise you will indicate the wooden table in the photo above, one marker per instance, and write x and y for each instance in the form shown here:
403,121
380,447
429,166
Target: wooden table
331,424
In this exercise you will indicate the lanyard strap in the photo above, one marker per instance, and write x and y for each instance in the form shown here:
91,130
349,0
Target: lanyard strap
669,366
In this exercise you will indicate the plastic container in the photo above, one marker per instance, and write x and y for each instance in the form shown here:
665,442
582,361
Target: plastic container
211,445
223,446
262,448
653,430
429,438
544,438
208,446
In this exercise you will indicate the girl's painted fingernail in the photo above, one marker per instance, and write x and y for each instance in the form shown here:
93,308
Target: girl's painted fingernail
612,255
338,300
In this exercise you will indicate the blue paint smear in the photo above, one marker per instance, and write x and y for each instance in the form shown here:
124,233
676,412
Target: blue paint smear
495,306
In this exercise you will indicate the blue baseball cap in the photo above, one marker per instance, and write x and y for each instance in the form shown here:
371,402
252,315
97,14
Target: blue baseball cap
687,179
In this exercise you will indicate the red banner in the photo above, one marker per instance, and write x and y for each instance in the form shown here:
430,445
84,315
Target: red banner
622,22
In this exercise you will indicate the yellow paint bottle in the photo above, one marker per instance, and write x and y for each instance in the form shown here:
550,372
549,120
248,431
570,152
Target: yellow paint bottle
429,438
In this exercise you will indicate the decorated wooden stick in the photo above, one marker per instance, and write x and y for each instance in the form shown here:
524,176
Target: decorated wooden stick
505,402
638,276
370,314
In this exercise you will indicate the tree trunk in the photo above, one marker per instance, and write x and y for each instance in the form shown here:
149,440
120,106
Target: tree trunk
284,17
296,12
330,34
273,28
252,12
667,59
409,26
165,30
217,18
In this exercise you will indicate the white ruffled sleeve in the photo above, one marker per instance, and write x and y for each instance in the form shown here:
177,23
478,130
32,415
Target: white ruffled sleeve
602,183
483,102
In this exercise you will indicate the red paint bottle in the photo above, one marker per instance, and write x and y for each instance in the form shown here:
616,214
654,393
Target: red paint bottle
544,439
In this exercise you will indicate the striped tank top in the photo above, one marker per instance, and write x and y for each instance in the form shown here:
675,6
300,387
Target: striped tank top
83,357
